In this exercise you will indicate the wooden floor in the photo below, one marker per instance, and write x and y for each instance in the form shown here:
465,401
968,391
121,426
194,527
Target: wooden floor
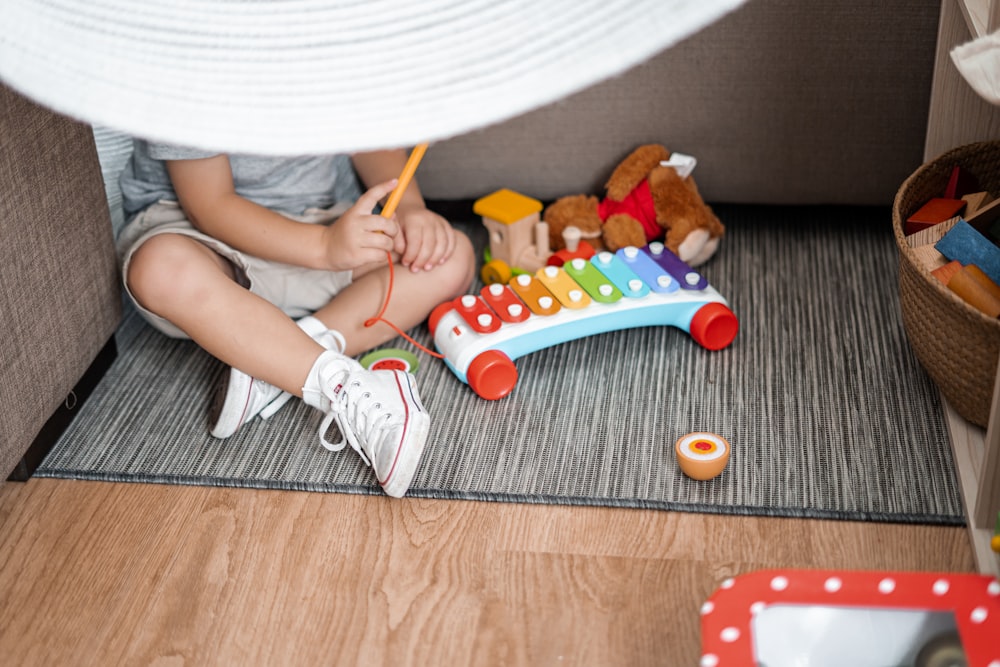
97,573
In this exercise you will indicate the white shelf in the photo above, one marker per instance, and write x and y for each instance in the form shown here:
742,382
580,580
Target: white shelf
958,116
968,444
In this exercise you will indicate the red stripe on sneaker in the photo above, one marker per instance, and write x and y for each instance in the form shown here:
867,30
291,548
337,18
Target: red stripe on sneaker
406,427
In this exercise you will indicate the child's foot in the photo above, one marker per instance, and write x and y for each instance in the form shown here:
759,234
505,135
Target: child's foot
380,415
239,398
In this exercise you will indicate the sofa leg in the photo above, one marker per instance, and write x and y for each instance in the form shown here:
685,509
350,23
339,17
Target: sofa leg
62,417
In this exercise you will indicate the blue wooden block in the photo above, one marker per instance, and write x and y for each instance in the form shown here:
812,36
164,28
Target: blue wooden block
964,244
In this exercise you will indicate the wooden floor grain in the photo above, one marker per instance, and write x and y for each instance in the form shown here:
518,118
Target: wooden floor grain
95,573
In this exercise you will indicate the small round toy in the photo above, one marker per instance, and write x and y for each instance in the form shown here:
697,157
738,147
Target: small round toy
702,455
390,359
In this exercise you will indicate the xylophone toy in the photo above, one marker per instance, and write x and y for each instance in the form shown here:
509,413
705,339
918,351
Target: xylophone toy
479,336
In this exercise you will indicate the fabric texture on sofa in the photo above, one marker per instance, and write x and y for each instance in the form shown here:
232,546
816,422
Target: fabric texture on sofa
60,300
782,102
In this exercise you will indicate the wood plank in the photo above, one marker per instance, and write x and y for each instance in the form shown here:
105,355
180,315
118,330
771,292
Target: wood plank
988,503
957,114
101,573
968,447
981,16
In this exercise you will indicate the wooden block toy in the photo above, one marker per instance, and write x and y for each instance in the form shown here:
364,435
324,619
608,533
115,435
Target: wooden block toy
979,276
944,273
968,246
935,211
960,183
975,201
518,237
971,291
984,217
929,257
931,234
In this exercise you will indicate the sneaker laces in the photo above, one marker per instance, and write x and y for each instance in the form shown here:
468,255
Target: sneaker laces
359,416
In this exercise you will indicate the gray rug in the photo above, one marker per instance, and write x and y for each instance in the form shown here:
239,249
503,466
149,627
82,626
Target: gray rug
828,412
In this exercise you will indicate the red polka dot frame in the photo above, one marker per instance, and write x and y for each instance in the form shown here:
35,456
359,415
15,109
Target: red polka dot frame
702,455
731,616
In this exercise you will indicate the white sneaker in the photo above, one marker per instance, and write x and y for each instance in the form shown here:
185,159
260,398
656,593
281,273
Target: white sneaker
239,398
380,415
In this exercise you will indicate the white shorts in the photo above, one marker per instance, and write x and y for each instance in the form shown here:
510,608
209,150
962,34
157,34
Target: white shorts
295,290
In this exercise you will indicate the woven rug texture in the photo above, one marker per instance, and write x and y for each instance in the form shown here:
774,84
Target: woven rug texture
828,412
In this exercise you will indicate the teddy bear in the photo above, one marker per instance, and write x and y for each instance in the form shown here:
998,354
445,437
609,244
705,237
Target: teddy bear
645,201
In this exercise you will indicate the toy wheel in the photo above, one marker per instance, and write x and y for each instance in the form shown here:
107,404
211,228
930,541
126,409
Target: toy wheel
702,455
492,375
496,271
390,359
714,326
942,651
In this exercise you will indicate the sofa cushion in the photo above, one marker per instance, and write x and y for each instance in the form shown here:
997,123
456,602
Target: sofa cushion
59,291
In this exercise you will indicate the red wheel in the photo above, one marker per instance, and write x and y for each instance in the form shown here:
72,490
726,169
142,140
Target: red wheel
492,375
714,326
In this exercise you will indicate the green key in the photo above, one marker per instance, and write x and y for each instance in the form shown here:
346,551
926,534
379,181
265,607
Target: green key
592,281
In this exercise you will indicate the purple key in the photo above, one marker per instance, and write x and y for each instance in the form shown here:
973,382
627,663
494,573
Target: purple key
687,277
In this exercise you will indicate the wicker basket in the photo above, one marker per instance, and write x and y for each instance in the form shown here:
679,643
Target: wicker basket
955,343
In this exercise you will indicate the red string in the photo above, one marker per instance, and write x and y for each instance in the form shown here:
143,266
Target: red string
385,304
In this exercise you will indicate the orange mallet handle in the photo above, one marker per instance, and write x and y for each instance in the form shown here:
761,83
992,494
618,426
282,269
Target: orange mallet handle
404,180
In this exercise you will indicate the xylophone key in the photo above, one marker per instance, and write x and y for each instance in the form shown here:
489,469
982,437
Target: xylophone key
622,277
676,267
534,295
477,314
592,280
651,273
506,304
562,287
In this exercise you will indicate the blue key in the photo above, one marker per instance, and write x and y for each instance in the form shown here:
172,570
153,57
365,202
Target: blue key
651,273
621,276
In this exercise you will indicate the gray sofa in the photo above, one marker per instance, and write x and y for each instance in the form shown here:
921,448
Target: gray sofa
782,102
59,294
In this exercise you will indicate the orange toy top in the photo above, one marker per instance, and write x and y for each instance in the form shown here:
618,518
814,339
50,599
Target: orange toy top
506,206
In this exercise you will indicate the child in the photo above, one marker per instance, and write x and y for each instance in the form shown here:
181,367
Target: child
273,265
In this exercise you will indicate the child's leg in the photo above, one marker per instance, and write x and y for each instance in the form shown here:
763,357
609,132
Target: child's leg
379,413
187,283
413,297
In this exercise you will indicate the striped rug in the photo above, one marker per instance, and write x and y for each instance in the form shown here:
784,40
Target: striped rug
828,412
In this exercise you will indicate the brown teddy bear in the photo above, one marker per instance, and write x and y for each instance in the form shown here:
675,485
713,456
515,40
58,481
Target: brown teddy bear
645,202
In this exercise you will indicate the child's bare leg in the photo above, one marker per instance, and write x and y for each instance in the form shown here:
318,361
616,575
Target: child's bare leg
187,283
414,295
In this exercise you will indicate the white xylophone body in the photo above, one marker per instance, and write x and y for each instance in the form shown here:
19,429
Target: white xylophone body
480,336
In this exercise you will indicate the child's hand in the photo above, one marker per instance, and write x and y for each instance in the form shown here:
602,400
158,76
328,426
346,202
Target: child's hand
427,239
360,237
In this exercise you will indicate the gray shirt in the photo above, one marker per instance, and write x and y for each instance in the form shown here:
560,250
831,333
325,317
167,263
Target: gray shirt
285,184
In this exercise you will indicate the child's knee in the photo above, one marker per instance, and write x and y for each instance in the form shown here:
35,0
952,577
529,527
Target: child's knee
157,268
461,265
